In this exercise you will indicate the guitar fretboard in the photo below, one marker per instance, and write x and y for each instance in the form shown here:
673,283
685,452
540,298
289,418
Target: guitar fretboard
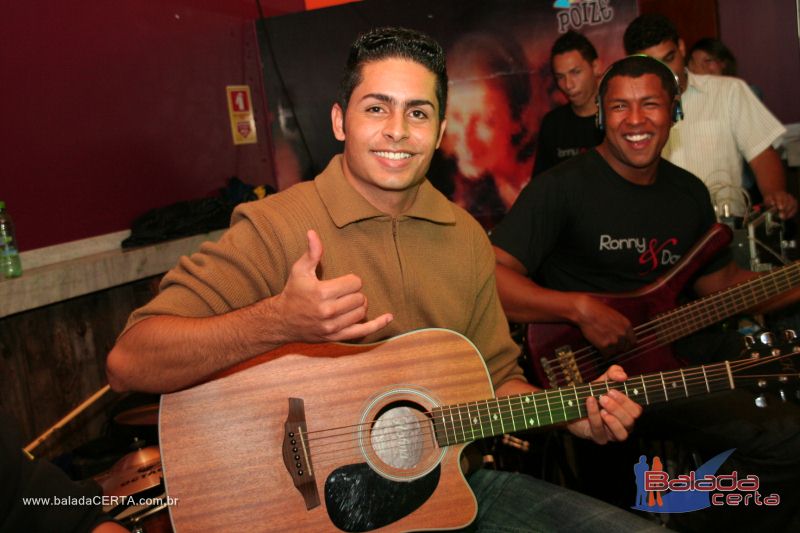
455,424
697,315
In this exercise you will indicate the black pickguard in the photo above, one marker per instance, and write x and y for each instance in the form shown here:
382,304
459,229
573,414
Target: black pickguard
358,499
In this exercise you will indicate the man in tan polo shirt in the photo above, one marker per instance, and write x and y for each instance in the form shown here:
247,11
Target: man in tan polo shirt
366,251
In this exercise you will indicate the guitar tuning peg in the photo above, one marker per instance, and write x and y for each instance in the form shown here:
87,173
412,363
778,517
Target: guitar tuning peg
782,394
767,338
761,401
789,334
749,341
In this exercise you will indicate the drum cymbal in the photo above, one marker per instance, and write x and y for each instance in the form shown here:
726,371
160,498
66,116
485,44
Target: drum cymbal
144,415
136,472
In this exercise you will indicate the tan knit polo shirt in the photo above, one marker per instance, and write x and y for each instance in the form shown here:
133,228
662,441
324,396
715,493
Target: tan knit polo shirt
432,266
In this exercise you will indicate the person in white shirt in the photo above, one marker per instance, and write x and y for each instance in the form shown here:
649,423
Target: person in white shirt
723,123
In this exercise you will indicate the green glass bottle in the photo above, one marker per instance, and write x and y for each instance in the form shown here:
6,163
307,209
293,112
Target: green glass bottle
10,264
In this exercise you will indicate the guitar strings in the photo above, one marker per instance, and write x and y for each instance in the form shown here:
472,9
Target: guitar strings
676,327
692,377
670,319
325,445
351,440
398,441
711,371
713,376
428,434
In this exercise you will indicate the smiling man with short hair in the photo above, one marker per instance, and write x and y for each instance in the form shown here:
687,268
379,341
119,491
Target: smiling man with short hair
725,124
614,220
398,257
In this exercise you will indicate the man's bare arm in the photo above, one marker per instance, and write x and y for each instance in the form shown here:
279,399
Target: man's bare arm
166,353
771,180
525,301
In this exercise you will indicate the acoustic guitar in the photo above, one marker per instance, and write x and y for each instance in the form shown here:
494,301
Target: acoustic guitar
338,437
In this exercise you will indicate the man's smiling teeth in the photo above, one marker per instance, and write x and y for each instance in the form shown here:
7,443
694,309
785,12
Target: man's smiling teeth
638,137
394,155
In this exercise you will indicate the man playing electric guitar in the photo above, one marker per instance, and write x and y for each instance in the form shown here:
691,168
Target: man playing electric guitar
397,257
614,220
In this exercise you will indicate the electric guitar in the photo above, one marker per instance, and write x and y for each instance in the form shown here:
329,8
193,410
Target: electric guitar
357,438
559,355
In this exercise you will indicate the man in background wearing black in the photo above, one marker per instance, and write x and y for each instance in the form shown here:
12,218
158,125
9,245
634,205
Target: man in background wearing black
570,129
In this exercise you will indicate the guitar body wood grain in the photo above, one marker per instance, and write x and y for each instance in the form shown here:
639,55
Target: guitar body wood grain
221,440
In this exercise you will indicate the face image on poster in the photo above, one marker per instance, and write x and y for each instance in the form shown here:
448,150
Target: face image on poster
487,152
500,83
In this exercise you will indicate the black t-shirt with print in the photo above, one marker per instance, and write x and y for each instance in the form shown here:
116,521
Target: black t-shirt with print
583,227
563,135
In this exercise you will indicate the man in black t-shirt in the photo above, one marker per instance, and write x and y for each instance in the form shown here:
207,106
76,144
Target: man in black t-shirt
615,219
610,220
569,130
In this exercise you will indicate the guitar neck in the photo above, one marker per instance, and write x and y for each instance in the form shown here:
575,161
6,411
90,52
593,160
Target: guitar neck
472,421
710,310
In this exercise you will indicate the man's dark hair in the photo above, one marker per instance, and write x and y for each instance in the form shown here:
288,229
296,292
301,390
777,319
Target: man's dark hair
716,49
387,43
636,66
648,30
570,41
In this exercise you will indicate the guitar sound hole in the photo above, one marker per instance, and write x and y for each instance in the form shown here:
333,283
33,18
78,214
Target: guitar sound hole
397,437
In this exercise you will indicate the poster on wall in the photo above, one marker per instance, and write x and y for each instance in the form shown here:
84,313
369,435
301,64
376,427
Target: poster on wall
500,84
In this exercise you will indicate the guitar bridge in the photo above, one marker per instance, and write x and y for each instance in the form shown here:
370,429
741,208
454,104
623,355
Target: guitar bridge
569,368
297,454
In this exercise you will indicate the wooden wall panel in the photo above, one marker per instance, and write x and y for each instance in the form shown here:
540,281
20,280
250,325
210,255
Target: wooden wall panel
53,358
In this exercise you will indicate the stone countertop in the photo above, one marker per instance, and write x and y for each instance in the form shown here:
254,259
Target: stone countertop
49,283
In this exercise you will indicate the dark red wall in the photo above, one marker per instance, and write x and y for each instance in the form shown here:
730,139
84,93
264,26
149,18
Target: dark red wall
693,18
113,108
763,37
109,108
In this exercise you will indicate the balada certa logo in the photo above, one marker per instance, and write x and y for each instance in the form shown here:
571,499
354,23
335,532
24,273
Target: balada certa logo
657,492
574,14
